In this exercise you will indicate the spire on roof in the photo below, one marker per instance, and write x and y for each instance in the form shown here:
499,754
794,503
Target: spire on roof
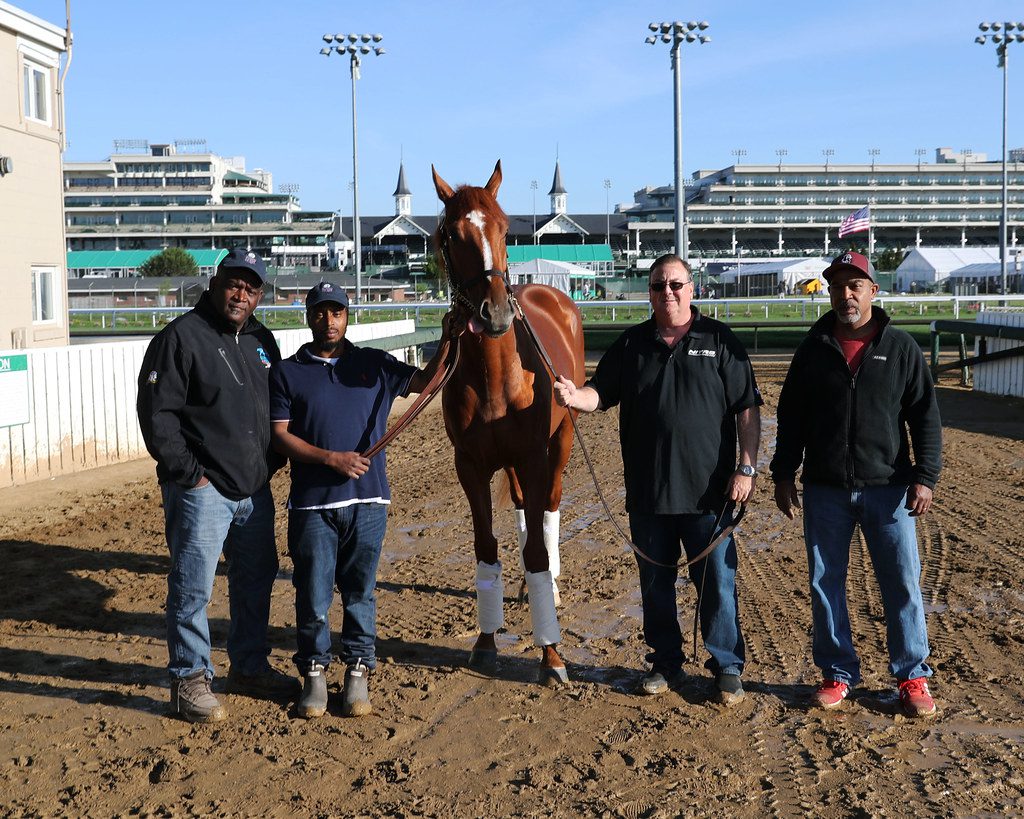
402,189
556,184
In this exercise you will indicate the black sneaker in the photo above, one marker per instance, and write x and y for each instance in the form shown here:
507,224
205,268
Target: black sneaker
267,684
355,700
192,699
313,702
730,689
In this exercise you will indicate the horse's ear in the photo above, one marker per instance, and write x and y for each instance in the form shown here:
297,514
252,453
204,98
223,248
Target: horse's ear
495,181
444,190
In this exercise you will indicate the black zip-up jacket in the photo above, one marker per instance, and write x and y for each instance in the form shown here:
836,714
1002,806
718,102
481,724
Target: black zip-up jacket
204,404
851,430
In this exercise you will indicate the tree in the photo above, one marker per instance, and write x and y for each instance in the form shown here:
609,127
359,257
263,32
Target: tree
889,259
173,261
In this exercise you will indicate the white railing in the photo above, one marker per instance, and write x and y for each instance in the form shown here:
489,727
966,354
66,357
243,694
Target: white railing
81,403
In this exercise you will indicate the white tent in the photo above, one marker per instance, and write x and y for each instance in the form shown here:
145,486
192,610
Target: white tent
788,271
927,266
552,273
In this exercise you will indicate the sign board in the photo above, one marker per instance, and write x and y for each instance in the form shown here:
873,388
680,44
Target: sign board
14,390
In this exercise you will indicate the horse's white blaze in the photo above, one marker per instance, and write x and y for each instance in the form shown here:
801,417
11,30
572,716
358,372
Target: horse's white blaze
542,609
490,596
478,220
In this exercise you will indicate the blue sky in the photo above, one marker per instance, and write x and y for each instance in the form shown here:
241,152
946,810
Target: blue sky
465,83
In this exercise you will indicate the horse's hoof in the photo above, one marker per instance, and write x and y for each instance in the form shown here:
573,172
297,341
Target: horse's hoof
483,659
523,592
553,677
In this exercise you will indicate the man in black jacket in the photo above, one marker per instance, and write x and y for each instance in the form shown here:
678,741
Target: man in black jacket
204,411
856,386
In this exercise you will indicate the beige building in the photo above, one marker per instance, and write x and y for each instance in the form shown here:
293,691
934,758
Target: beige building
33,277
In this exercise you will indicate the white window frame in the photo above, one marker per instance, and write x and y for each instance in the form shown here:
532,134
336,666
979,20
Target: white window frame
30,70
40,313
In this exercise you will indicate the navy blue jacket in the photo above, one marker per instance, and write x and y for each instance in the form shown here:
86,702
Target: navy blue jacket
850,430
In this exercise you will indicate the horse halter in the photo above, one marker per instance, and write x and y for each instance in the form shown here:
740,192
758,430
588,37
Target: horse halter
457,290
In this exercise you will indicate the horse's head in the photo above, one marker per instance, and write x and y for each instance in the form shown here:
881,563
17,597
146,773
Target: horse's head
470,242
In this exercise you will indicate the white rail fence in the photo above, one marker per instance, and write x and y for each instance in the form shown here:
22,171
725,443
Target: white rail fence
67,409
1006,376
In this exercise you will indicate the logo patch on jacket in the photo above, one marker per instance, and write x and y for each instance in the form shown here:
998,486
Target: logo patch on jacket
263,357
153,376
704,353
879,357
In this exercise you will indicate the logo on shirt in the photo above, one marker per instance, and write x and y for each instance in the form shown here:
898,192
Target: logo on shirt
704,353
152,377
263,357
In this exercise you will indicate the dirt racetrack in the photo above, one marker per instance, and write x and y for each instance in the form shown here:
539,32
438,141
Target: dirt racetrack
84,727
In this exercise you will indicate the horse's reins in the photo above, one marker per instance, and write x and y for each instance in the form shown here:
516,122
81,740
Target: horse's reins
715,540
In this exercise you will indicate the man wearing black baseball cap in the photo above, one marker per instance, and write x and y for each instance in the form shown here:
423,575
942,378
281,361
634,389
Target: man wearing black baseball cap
203,411
855,389
328,404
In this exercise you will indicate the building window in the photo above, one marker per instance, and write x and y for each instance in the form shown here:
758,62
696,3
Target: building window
44,294
36,86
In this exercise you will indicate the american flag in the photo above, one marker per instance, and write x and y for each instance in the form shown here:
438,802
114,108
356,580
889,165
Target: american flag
856,222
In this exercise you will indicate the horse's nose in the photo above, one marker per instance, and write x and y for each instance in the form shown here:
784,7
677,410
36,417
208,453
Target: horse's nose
496,316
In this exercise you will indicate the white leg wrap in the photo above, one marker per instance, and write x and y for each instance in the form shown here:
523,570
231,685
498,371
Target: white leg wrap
521,534
490,595
542,609
551,542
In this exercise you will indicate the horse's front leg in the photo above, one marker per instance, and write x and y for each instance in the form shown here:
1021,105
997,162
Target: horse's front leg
539,580
490,587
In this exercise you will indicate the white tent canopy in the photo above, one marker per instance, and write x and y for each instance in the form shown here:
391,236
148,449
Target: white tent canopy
552,273
789,271
927,266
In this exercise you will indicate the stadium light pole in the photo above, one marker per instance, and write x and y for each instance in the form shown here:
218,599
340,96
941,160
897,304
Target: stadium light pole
827,153
607,213
533,188
873,153
354,45
1011,32
676,34
781,153
919,152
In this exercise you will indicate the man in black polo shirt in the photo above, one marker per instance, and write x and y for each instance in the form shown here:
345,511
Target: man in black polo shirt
329,403
685,388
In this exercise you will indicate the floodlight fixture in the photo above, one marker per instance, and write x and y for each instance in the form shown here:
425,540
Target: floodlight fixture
355,45
676,34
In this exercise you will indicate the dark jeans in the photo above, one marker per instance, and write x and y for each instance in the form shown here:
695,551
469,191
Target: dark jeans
660,536
328,547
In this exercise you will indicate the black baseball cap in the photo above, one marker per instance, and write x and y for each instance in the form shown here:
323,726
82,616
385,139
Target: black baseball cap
242,259
325,291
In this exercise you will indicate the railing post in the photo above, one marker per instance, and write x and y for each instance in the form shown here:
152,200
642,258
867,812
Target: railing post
935,346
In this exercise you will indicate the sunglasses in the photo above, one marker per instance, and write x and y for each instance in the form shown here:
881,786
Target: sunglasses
659,287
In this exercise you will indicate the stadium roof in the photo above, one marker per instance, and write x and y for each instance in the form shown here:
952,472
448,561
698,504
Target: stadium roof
559,253
119,259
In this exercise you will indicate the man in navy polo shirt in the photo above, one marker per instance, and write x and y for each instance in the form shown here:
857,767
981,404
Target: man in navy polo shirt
328,403
686,391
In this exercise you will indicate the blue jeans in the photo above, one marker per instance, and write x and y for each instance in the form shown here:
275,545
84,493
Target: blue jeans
891,536
659,536
199,524
328,547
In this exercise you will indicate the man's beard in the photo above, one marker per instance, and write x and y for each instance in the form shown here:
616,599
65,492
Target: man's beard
849,318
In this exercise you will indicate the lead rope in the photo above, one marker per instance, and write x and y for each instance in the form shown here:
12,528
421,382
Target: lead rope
715,540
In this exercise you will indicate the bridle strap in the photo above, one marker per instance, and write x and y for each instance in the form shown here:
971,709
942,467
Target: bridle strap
458,291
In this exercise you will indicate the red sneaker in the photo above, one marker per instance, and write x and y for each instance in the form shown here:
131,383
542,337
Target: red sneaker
830,694
915,698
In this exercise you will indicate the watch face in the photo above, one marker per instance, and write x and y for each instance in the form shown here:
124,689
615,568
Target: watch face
747,470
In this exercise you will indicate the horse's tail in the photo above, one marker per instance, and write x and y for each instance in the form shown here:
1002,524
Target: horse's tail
503,493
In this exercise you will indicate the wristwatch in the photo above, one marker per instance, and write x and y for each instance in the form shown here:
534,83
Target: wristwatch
746,470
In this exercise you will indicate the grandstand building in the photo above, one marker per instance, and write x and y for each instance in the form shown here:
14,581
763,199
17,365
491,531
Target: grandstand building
146,197
793,210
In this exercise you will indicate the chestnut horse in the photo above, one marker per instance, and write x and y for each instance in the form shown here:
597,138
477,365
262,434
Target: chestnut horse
499,409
